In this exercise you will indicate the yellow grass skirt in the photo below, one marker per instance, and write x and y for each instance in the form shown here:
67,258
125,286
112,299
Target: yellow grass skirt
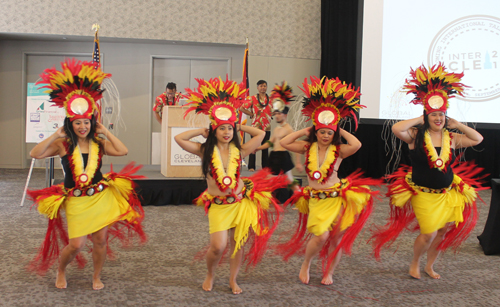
88,214
342,209
240,216
253,214
434,210
116,206
323,214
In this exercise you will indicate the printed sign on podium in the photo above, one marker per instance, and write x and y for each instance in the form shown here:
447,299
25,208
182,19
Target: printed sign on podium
175,161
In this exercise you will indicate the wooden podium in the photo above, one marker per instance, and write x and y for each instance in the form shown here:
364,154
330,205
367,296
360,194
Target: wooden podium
173,118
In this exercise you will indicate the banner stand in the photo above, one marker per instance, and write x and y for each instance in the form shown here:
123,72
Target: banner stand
49,175
28,181
49,172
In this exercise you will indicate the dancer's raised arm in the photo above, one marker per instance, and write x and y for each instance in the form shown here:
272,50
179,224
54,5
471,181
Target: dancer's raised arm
51,146
290,142
404,130
183,139
257,137
470,137
112,146
352,146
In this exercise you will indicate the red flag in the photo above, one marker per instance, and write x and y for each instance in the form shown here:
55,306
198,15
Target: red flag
245,69
245,82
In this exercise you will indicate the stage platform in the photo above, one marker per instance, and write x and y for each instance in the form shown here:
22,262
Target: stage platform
157,190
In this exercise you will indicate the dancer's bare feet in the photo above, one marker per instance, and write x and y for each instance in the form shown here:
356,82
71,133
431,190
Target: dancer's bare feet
414,271
97,284
61,280
328,280
304,273
235,288
431,273
251,170
208,283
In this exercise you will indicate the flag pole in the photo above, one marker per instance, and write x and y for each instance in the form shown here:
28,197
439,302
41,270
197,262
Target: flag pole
96,59
245,82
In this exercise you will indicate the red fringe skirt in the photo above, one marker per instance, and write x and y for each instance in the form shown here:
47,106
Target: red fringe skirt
124,226
354,200
254,214
456,203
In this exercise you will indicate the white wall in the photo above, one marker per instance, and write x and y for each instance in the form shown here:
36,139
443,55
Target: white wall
130,65
275,28
284,45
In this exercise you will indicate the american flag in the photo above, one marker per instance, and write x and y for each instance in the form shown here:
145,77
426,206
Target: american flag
96,55
96,59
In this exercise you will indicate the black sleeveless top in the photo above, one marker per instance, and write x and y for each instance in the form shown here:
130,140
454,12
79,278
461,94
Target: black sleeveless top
425,176
68,176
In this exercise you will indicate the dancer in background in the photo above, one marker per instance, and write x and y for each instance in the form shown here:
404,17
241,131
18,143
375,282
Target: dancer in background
238,208
259,111
331,209
435,190
95,204
280,161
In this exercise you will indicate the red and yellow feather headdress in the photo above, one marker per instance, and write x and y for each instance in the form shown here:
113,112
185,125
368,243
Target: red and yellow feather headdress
281,95
328,101
218,99
433,88
76,88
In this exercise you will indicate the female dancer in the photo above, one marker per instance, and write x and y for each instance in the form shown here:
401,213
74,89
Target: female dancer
233,203
335,209
431,190
93,202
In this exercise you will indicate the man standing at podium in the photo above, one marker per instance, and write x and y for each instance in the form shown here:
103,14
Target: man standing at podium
169,98
259,110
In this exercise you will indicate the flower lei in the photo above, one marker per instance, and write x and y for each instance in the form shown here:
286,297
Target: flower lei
261,104
230,178
174,102
83,176
442,161
162,101
262,114
313,169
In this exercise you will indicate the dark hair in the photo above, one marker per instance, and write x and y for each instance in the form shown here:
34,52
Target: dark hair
261,82
73,138
171,86
284,111
208,148
313,138
419,137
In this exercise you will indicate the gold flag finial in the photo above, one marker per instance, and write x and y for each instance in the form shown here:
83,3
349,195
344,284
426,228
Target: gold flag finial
95,27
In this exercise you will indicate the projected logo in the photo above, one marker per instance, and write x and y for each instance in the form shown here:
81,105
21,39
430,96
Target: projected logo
471,44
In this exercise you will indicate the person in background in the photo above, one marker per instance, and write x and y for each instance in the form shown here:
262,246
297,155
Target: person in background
259,110
280,161
168,98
